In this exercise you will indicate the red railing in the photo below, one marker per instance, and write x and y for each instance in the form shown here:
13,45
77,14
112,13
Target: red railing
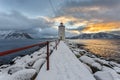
27,47
20,49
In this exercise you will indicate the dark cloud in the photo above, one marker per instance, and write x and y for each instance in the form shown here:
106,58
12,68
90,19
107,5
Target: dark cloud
49,32
80,28
106,10
30,7
91,3
33,7
18,22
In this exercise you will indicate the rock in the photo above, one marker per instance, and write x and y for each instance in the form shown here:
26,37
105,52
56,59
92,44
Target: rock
97,66
114,64
16,58
103,62
117,69
14,69
88,68
92,64
82,52
25,74
86,59
4,66
37,65
103,75
114,74
75,52
43,55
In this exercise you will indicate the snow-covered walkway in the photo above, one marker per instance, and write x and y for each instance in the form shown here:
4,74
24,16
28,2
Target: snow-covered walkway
64,66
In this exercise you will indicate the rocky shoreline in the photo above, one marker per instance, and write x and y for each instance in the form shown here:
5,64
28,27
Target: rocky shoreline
101,68
26,67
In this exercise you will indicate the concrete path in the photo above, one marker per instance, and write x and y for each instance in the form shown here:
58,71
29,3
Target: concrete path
64,66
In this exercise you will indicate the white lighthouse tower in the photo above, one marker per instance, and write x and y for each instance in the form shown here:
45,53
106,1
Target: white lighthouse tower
61,32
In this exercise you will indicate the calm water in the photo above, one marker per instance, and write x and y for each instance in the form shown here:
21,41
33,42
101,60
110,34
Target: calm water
12,44
106,48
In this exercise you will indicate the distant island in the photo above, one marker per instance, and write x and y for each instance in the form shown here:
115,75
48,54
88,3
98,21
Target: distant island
14,35
101,35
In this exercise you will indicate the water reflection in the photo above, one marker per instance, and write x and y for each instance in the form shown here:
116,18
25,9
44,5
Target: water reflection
106,48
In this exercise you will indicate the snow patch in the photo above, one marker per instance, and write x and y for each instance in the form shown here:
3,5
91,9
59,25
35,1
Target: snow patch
103,75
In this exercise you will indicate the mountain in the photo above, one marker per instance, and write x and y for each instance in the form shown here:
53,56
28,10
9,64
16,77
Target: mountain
100,35
14,35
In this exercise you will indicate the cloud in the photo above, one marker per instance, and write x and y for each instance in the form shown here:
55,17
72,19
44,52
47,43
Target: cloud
89,3
29,7
90,15
77,15
102,27
105,10
39,26
17,21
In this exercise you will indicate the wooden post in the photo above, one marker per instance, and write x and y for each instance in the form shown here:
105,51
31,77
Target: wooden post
47,55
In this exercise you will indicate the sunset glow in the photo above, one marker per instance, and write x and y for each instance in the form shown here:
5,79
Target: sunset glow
102,27
92,26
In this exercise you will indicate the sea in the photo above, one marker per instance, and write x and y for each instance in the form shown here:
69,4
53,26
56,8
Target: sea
107,48
13,44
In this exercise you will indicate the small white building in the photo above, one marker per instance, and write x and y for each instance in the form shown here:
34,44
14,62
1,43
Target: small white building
61,32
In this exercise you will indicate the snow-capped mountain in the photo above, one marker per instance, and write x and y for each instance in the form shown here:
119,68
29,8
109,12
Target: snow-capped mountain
100,35
14,35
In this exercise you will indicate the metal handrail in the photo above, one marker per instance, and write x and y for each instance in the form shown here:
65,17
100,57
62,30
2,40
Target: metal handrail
27,47
20,49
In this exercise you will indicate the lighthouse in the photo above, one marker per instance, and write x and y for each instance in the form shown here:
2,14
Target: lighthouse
61,32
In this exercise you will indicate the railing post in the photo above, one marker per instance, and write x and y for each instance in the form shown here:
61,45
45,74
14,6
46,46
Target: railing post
56,44
47,55
58,41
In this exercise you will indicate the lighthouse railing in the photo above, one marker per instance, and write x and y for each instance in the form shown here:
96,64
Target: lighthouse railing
4,53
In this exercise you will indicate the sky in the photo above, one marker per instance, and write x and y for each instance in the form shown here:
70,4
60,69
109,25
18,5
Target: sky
41,18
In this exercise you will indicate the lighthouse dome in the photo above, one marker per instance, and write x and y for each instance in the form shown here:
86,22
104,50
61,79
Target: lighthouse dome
61,25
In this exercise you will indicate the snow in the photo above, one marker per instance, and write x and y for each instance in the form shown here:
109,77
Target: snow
64,66
101,69
101,61
26,67
76,53
25,74
97,65
114,64
112,72
103,75
91,62
117,69
87,60
37,65
88,68
13,69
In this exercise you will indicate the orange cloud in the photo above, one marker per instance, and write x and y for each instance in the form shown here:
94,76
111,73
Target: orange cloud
83,9
93,26
75,32
64,19
102,27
